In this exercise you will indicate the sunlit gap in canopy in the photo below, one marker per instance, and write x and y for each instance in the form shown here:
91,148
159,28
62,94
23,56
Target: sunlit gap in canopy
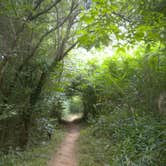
83,56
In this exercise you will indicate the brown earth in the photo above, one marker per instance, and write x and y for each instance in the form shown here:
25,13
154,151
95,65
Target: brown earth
66,154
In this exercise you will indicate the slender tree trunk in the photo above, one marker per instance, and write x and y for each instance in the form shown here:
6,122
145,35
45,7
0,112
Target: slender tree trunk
24,133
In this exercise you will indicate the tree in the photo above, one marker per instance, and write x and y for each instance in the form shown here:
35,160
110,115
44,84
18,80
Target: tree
35,36
123,23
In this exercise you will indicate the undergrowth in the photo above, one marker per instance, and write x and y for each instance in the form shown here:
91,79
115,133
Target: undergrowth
35,156
119,139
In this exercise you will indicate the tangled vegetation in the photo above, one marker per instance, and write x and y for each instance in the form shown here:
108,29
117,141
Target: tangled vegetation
104,59
129,124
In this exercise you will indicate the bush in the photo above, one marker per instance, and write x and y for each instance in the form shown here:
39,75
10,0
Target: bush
119,139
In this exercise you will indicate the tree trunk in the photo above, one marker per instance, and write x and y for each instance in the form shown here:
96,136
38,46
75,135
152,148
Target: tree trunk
25,123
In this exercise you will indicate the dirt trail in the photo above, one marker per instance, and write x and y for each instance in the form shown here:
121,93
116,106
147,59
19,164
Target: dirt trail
66,155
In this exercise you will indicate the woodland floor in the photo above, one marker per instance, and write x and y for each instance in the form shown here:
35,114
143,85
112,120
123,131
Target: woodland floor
66,154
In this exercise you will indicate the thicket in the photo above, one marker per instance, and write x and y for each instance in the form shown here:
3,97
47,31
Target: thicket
129,108
122,98
126,103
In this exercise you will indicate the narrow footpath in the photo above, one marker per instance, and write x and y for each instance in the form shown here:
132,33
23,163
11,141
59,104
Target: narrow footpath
66,154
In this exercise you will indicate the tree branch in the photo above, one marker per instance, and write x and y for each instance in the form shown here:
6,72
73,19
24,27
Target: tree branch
47,9
70,48
41,40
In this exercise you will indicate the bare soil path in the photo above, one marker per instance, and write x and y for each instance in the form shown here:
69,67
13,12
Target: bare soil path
66,155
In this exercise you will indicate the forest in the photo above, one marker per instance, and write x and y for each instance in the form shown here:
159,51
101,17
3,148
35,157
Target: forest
101,61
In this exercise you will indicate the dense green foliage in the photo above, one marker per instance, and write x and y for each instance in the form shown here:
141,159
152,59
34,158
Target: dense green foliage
123,22
129,128
121,92
117,139
75,105
35,36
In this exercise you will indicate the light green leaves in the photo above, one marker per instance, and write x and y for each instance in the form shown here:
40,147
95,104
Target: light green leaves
140,21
